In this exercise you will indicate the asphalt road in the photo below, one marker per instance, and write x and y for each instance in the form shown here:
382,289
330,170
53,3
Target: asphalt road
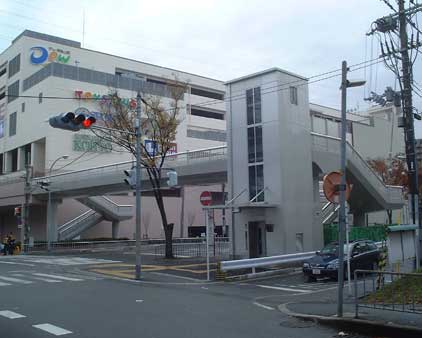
48,296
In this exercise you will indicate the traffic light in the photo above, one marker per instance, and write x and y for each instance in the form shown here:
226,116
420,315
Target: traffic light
44,184
130,177
172,178
72,122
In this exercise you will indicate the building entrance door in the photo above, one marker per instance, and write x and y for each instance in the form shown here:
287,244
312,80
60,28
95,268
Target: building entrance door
257,239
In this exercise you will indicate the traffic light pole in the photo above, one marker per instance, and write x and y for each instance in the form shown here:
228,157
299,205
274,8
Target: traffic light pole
25,226
138,187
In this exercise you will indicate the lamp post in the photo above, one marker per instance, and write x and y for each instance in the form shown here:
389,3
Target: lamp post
342,217
49,219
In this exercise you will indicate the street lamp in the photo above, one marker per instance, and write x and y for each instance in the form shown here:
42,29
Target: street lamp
345,83
49,210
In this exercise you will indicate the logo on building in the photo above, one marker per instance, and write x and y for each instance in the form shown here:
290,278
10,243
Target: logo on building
40,55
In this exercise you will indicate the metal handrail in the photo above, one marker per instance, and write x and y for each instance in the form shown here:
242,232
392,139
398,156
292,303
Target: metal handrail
81,217
357,153
127,162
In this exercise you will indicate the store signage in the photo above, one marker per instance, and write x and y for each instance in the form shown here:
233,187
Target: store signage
40,55
152,148
81,95
90,143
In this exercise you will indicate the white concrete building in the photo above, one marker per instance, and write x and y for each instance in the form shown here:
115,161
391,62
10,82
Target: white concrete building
279,148
43,75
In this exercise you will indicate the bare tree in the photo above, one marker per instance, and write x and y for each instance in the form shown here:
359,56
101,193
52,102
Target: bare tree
159,125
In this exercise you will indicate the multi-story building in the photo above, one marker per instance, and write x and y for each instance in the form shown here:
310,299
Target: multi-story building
43,75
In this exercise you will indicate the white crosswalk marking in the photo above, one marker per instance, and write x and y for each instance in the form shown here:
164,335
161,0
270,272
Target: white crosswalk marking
58,277
11,314
4,284
39,278
283,288
15,280
57,331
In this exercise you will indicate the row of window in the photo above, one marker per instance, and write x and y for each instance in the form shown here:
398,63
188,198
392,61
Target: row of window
14,66
255,147
207,114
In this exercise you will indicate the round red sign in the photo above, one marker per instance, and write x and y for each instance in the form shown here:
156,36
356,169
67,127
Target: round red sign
205,198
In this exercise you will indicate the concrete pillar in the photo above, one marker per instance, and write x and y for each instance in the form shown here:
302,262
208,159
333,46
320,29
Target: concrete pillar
21,158
359,219
52,226
115,229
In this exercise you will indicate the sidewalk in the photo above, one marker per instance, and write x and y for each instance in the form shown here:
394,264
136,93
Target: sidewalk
371,321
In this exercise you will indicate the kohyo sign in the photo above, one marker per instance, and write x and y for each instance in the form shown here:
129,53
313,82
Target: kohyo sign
40,55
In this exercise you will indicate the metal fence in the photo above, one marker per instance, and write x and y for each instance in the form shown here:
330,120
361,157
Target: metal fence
220,248
391,291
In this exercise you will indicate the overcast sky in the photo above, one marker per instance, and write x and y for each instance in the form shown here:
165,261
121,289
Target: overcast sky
221,39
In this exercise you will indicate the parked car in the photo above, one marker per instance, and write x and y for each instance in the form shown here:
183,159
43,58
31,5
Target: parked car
364,254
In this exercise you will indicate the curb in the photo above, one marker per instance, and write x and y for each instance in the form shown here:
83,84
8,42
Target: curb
263,274
361,326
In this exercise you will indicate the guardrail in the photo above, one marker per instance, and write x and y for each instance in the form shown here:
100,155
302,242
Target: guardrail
391,291
253,263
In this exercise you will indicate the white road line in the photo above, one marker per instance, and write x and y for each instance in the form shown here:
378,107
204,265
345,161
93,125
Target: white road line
283,289
15,280
57,331
11,314
16,263
139,301
58,277
4,284
263,306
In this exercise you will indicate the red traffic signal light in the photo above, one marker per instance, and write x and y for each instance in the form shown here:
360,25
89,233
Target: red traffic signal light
18,211
88,122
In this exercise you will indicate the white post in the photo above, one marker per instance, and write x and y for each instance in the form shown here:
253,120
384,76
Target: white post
207,234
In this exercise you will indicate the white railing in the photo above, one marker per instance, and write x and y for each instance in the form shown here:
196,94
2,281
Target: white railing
253,263
172,161
392,194
75,224
111,206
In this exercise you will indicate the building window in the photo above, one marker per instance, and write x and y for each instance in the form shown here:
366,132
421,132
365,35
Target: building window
13,91
253,105
207,114
14,65
3,69
293,95
206,93
2,93
255,144
256,182
23,107
12,124
255,148
40,98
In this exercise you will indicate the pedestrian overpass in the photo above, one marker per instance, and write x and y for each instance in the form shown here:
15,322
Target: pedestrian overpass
205,166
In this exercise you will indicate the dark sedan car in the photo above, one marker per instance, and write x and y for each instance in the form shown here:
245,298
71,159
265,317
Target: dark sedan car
364,254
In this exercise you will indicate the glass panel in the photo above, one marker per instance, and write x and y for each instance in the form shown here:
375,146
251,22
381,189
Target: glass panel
260,182
252,182
257,104
251,145
259,156
249,106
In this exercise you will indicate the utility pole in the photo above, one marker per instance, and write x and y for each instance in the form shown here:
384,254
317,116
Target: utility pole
27,191
138,187
408,111
391,28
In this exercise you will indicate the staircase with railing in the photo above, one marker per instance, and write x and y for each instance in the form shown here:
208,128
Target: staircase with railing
101,208
79,224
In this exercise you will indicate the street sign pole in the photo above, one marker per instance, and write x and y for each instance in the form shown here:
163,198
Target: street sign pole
207,234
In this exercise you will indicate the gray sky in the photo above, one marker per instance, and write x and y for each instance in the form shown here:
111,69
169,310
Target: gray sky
221,39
